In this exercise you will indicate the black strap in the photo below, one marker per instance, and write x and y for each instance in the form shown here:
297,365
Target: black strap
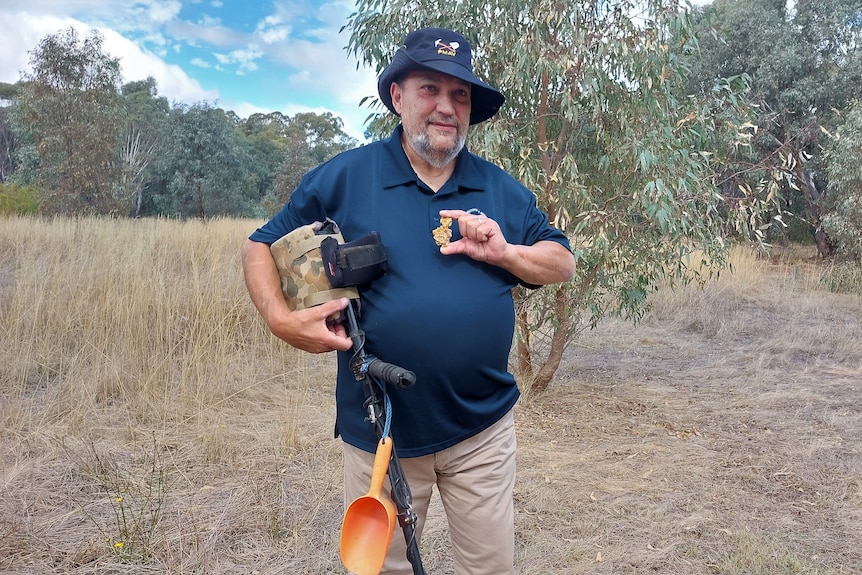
355,263
357,257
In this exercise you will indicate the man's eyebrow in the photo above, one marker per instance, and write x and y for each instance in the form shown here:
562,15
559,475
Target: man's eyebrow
432,76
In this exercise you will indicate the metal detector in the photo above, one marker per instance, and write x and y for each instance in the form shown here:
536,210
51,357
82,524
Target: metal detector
374,374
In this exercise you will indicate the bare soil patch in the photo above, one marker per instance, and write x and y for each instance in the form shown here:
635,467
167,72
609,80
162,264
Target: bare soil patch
669,449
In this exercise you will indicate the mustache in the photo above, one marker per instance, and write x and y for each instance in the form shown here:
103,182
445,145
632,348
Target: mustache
446,120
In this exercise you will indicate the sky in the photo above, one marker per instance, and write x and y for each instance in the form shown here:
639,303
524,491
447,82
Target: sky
247,56
240,55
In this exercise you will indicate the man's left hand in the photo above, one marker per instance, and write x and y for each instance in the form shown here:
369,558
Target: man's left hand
481,237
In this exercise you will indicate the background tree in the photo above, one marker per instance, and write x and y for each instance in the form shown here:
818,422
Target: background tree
297,159
843,220
593,125
208,165
72,138
267,135
70,106
7,145
10,92
805,63
142,142
8,139
323,133
309,139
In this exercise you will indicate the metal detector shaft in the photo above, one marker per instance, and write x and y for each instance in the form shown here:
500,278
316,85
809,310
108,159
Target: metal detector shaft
365,367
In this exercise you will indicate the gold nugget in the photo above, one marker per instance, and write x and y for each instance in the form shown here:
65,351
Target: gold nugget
443,234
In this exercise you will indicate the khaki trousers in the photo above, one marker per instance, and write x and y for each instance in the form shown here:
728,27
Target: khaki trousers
475,479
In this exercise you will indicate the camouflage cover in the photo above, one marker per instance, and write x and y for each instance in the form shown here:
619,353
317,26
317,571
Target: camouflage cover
303,280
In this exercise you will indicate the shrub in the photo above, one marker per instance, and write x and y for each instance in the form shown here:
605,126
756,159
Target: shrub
18,200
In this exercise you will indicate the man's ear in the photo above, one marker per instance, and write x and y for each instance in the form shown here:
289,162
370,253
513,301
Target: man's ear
395,93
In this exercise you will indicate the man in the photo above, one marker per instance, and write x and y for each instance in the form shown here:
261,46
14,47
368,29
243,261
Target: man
445,313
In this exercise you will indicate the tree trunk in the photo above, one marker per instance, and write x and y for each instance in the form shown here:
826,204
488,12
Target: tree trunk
525,358
824,245
815,206
558,344
139,200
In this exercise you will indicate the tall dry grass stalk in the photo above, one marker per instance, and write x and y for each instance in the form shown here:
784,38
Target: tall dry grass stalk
711,308
134,371
149,317
785,302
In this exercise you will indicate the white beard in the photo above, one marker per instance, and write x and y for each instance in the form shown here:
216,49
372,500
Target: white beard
439,159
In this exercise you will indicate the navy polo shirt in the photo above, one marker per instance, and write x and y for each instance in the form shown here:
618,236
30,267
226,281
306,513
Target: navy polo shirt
449,319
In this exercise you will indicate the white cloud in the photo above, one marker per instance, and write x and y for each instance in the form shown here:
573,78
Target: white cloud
25,32
244,59
272,30
312,74
273,35
209,21
156,39
160,11
196,34
326,68
21,34
138,64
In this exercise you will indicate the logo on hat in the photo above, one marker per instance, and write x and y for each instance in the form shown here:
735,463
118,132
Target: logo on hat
449,49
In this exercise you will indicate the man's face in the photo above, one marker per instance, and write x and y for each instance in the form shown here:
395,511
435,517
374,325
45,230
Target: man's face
435,113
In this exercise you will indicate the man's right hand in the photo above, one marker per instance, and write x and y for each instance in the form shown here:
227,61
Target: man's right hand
310,329
306,329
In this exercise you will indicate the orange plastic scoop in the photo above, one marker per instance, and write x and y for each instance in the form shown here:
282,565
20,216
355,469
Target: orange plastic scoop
369,521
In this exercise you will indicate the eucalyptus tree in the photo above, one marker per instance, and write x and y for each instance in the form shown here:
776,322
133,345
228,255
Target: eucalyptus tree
10,133
142,142
324,133
70,110
7,145
207,165
593,125
8,138
10,92
267,135
804,59
843,220
309,139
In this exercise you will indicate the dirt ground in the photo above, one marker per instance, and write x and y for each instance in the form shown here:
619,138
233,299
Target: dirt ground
669,449
721,441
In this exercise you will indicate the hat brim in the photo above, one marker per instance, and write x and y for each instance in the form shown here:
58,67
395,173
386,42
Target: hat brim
485,100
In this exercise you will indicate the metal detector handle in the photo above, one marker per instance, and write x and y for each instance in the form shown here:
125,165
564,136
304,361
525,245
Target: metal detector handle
363,366
391,373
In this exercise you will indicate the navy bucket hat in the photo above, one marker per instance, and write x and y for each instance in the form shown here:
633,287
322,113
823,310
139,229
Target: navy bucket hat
447,52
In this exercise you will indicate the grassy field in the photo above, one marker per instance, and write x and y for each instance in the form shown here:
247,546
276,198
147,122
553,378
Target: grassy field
150,424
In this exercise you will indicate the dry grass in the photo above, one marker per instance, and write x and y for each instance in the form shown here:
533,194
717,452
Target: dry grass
150,424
